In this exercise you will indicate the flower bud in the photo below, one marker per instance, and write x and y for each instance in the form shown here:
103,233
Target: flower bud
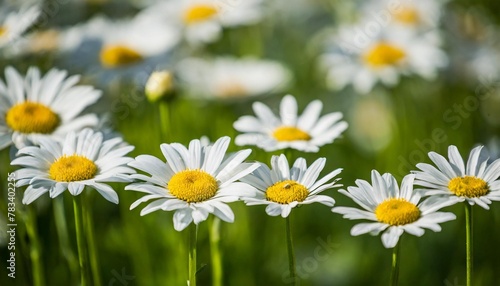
159,86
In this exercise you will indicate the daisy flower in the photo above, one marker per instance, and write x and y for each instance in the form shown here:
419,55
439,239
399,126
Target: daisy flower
124,47
477,182
227,78
83,159
306,132
14,23
407,14
193,182
202,21
361,57
36,106
392,210
283,188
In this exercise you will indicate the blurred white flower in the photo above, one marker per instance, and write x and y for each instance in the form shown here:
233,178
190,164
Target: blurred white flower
229,78
203,20
419,15
14,23
362,57
124,47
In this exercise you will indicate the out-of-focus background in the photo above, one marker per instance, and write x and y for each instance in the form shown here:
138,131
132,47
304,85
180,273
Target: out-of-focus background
242,51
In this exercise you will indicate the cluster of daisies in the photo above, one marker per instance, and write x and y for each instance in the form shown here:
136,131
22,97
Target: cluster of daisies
166,35
58,149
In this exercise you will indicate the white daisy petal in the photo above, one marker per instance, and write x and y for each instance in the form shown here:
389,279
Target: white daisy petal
31,194
373,228
391,236
153,206
472,162
182,218
310,115
456,159
288,111
274,209
214,157
442,164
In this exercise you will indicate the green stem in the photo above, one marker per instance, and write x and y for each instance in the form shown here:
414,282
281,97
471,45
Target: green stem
35,250
468,241
291,254
215,252
164,107
289,156
193,231
88,224
62,234
80,239
395,264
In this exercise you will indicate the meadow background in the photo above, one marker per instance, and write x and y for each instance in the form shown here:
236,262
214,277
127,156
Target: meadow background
390,130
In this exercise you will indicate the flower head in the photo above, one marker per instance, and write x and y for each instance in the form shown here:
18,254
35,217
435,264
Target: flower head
306,132
393,210
194,181
111,48
363,59
36,107
230,79
283,188
14,23
84,159
202,21
477,182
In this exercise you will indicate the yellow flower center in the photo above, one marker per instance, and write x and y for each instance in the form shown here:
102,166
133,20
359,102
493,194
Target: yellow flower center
468,186
407,15
32,117
3,31
113,56
199,13
193,186
290,133
231,89
286,192
384,54
72,168
397,212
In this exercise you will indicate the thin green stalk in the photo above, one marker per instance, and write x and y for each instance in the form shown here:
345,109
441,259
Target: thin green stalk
35,249
395,264
164,108
291,254
62,234
88,224
193,232
468,241
216,257
289,155
80,239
